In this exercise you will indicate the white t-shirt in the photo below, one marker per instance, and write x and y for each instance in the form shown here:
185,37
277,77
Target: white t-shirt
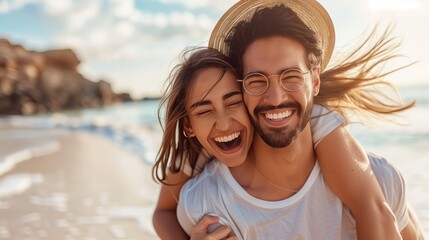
312,213
322,122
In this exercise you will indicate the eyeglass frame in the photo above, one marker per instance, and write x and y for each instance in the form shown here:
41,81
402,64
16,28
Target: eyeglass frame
274,75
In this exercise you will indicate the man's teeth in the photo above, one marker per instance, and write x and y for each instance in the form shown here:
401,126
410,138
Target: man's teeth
278,116
227,138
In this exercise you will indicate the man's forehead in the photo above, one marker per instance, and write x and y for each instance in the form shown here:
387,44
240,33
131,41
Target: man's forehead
273,53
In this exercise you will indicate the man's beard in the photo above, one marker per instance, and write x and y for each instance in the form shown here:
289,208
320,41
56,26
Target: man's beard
281,137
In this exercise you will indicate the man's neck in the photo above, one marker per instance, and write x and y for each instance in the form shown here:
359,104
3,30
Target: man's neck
297,154
269,172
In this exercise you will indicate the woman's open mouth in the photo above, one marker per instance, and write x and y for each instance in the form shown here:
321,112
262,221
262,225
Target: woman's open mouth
229,142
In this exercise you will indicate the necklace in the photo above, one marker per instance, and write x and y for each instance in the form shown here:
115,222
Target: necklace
273,183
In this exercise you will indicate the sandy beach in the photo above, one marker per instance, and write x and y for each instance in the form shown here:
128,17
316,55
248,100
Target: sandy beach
89,188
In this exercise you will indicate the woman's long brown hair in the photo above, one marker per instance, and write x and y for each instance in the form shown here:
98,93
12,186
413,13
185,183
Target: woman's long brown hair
357,84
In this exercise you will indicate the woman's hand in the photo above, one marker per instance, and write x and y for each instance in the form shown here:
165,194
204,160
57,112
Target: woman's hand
209,228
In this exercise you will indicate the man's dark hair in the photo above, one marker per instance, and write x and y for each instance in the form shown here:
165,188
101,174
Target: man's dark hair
268,22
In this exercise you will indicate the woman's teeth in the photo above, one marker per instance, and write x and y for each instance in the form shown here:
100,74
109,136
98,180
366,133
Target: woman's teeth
278,116
227,138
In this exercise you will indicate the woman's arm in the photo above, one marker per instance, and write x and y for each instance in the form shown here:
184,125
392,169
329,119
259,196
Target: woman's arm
164,218
413,230
347,171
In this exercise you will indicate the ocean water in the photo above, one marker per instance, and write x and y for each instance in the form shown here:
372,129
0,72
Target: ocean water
135,127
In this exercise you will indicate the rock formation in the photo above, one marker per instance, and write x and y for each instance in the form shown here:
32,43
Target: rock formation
34,82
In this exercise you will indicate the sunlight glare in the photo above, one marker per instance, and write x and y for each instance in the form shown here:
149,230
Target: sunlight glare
395,5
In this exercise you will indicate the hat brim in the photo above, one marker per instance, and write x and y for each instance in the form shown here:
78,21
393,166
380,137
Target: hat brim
309,11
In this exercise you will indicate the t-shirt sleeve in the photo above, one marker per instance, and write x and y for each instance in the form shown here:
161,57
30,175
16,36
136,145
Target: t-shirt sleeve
185,220
323,121
193,199
187,204
393,186
202,160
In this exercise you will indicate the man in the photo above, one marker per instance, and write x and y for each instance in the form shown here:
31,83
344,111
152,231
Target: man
306,208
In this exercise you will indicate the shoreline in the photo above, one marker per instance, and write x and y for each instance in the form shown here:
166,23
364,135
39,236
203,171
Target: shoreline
88,188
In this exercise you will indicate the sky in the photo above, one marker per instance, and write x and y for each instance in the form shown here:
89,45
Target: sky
134,44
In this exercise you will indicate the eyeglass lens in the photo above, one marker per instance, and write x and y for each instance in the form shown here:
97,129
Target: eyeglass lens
257,83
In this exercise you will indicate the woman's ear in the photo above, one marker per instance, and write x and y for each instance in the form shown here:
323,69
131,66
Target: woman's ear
188,132
316,81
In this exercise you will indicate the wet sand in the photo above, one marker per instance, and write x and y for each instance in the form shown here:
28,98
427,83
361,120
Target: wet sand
88,189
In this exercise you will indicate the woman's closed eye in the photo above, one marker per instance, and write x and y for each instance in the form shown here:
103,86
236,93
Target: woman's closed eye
235,103
206,111
203,112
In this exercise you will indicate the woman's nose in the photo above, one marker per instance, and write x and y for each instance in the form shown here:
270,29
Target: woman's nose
223,122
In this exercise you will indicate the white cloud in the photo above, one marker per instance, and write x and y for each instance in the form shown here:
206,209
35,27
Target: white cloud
96,28
12,5
121,8
124,29
80,15
393,5
57,7
209,4
99,28
188,3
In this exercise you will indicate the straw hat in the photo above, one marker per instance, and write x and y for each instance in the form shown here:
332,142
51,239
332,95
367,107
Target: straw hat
309,11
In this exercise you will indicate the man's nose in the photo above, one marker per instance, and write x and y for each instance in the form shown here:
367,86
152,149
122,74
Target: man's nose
275,94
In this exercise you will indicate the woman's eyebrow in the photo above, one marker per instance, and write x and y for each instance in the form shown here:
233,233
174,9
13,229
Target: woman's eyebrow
200,103
208,102
231,94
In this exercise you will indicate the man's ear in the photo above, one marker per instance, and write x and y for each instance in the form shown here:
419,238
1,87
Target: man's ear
187,128
316,81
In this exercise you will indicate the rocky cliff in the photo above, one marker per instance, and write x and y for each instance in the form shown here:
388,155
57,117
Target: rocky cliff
33,82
